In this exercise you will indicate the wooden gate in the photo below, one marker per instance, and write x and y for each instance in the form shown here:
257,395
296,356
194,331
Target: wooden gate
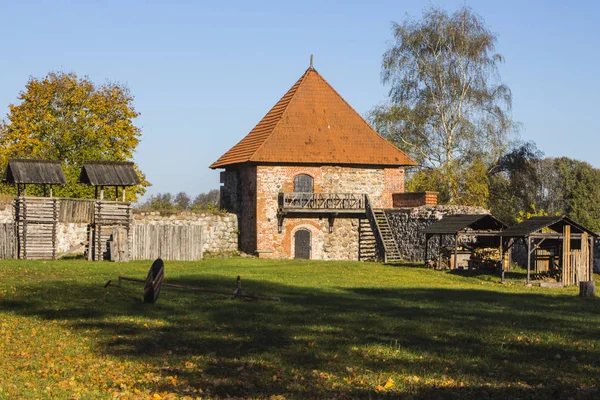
36,220
109,216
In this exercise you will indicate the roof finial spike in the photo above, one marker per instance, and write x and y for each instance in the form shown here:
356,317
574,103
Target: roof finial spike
311,62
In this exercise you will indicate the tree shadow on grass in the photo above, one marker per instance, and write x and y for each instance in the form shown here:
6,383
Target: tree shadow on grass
480,341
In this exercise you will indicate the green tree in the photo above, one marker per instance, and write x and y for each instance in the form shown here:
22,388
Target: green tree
515,182
70,119
580,187
447,105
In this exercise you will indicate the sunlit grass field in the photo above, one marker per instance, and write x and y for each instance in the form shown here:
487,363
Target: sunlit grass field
342,330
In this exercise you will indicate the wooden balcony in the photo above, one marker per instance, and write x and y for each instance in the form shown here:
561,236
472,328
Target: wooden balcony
322,202
329,204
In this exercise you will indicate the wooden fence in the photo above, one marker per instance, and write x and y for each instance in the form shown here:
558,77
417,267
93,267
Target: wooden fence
169,242
36,220
76,211
108,216
8,241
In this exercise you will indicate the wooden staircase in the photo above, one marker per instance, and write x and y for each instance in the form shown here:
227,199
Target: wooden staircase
367,243
383,234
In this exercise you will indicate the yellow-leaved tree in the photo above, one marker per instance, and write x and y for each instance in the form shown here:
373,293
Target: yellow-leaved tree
70,119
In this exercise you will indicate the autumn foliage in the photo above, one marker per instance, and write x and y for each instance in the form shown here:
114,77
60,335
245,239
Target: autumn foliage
71,119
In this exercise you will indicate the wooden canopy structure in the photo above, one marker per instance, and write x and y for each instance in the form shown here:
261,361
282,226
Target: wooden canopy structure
109,173
555,242
22,172
458,226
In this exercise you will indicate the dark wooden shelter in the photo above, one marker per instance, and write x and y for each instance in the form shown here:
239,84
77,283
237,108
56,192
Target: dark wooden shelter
23,172
557,242
483,227
109,173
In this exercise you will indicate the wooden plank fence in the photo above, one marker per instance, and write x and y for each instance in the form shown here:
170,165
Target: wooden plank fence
8,241
76,211
169,242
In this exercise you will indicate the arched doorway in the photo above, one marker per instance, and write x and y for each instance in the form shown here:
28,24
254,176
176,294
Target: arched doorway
302,246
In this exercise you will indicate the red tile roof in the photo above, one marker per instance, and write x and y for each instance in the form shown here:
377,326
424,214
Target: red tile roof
313,124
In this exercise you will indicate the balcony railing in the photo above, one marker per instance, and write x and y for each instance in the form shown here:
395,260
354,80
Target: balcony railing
322,202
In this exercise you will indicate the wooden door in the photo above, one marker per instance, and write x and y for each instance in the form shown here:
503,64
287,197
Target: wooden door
302,245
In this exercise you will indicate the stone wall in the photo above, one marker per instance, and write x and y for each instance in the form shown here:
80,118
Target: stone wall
342,242
7,212
407,225
220,233
238,196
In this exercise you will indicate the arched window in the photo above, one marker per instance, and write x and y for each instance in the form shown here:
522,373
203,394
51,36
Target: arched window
302,245
303,184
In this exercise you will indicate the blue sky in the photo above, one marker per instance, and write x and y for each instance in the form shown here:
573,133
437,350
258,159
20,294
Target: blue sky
204,73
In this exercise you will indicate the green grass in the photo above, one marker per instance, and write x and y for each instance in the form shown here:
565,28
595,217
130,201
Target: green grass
343,330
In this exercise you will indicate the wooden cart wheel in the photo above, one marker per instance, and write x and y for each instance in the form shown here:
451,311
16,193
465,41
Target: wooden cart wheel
154,281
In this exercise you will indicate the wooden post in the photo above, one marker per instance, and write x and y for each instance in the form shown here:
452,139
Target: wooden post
456,251
426,247
123,194
116,193
566,256
101,192
18,190
90,242
528,260
96,192
440,253
591,258
51,191
587,288
501,259
44,186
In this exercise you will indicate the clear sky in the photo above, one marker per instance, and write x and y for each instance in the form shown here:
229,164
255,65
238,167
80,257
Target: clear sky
203,73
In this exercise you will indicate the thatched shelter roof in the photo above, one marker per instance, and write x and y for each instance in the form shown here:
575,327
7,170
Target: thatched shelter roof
453,224
537,224
41,172
108,173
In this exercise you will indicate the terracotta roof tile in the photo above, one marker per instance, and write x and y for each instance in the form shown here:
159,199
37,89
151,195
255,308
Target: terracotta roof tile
313,124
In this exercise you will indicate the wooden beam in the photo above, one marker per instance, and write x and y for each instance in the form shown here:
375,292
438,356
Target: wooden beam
566,256
528,260
591,258
426,247
456,251
440,253
501,260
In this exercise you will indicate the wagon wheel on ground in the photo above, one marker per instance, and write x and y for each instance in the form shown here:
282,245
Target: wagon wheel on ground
154,281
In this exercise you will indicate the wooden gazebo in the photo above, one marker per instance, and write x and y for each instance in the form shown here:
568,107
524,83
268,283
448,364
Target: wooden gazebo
483,227
23,172
109,173
555,242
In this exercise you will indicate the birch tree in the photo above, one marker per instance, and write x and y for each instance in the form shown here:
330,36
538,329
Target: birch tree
447,105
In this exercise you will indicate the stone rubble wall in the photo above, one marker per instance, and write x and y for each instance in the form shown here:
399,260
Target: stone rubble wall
220,233
342,243
407,225
7,212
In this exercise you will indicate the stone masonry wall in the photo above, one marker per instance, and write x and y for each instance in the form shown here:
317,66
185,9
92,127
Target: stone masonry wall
238,196
407,225
220,233
342,243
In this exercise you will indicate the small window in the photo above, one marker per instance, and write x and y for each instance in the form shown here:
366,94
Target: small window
303,184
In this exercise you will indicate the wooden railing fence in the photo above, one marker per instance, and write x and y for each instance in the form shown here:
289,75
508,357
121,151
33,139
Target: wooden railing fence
322,201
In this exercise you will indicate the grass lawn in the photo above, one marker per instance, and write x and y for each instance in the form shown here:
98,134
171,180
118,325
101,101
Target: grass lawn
343,330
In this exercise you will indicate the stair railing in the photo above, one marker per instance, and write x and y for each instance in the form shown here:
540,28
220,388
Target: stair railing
375,224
